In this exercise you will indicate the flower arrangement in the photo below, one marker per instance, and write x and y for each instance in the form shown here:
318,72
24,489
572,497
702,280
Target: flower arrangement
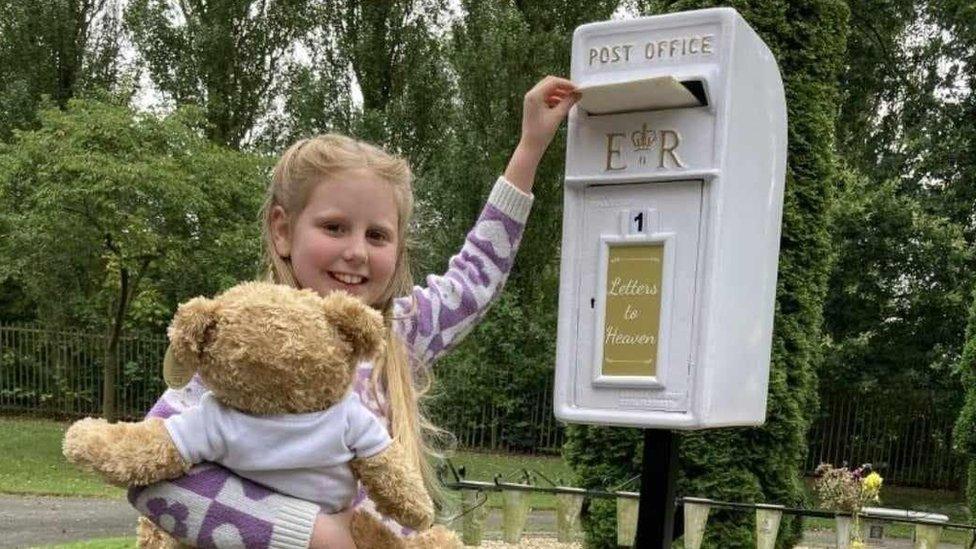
847,491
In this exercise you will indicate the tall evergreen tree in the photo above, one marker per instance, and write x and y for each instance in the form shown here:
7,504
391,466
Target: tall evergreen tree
965,431
223,55
53,48
765,464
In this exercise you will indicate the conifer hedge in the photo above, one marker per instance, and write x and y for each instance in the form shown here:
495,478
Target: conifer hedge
965,432
762,464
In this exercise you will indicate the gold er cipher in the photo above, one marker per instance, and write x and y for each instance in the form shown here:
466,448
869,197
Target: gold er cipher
644,140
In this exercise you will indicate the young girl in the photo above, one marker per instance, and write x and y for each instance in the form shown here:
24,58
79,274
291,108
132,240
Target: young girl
336,217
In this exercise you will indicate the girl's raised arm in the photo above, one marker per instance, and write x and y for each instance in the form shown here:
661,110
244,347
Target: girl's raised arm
434,318
545,107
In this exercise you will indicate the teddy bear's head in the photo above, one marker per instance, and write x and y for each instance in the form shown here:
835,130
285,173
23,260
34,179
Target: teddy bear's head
270,349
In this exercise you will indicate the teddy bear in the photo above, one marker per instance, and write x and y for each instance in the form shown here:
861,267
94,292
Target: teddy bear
278,364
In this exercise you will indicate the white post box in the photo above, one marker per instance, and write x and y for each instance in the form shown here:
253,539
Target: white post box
675,162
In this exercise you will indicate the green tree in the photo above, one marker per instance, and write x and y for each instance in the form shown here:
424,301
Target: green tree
104,207
317,95
899,290
766,464
898,293
945,142
223,55
908,99
392,54
403,73
54,48
953,166
881,63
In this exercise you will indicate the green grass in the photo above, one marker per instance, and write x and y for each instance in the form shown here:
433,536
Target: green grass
484,467
32,462
104,543
931,501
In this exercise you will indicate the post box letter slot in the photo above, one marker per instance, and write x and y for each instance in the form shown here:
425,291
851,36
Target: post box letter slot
647,94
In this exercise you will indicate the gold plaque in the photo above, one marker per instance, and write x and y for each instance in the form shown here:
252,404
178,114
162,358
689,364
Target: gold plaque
633,309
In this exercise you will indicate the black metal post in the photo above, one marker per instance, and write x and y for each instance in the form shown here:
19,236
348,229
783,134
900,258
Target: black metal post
655,517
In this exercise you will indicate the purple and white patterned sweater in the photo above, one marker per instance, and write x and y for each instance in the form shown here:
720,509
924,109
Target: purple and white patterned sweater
212,507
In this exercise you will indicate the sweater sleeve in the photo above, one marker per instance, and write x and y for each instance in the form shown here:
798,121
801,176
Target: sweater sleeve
365,436
197,431
213,507
436,316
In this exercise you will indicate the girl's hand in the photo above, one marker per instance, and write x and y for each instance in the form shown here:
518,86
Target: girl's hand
544,108
332,531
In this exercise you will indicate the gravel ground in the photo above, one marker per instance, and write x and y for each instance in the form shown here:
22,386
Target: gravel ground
531,542
540,532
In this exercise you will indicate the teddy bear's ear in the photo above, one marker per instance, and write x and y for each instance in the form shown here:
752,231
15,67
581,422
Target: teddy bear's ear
176,374
189,334
358,323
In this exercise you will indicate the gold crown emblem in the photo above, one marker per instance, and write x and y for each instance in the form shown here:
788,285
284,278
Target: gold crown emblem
643,139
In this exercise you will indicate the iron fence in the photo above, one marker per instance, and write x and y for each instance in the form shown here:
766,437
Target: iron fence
59,371
495,409
906,436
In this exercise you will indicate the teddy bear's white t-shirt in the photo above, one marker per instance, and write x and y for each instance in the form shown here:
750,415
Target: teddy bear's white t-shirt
303,455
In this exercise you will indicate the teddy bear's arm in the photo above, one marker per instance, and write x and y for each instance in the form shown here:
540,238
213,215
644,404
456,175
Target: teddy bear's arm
396,487
125,454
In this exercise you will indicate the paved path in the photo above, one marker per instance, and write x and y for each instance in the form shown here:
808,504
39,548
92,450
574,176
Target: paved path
27,521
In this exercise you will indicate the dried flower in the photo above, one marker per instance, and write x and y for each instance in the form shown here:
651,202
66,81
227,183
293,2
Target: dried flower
871,486
843,490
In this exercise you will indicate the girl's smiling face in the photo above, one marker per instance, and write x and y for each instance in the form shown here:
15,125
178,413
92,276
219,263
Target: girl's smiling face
345,238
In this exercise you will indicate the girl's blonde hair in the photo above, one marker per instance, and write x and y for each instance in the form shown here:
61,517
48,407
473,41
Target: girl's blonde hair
307,163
